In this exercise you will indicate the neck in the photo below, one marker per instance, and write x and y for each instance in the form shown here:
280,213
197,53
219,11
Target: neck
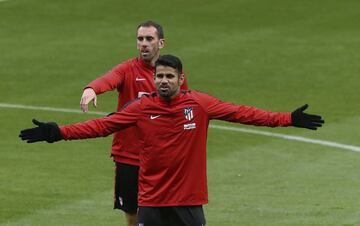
169,98
153,60
166,99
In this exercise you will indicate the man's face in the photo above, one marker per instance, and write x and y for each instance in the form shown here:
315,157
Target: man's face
167,81
149,44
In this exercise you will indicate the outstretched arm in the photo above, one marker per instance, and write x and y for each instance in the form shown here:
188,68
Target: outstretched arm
217,109
100,127
51,132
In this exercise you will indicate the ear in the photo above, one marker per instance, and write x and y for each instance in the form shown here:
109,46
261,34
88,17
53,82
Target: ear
181,79
161,43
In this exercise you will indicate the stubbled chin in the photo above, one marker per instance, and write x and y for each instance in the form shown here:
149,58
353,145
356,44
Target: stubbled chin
164,92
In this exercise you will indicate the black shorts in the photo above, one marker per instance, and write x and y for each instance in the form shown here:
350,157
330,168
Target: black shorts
126,187
174,216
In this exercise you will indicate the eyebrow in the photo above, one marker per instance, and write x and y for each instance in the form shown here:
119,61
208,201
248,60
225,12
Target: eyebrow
165,74
145,36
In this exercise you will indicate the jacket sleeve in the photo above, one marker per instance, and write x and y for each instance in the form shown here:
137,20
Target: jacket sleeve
113,79
103,127
217,109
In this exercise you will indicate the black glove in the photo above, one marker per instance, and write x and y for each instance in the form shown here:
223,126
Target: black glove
303,120
48,131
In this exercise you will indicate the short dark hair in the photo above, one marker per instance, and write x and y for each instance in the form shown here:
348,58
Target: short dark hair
157,26
170,61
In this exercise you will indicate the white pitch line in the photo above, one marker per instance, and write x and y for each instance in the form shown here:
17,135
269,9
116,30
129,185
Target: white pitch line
229,128
289,137
28,107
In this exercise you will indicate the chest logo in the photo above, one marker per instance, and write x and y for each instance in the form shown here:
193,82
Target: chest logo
154,116
188,112
139,78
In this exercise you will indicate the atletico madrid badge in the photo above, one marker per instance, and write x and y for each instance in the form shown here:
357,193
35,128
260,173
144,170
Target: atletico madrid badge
188,112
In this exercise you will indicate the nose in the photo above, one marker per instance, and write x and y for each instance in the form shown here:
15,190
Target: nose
144,43
164,80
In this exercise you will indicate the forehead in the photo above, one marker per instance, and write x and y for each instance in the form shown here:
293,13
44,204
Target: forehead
161,69
147,31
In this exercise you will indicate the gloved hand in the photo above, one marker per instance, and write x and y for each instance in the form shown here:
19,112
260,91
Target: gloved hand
48,132
304,120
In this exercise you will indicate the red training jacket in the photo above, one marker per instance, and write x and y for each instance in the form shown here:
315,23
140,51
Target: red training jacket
132,79
173,158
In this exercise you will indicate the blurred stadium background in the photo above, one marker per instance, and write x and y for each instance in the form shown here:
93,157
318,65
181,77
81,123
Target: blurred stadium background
276,55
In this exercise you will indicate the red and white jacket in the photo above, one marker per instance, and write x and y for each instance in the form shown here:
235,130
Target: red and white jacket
173,156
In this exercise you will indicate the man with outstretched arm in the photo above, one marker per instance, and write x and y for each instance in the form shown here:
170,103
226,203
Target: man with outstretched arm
174,124
131,79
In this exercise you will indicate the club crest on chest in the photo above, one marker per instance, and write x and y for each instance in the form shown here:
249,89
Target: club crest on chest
188,113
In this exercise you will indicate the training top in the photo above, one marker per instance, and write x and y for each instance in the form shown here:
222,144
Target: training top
131,79
173,159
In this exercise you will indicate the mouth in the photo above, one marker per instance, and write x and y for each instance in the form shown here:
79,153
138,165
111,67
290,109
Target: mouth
144,52
164,88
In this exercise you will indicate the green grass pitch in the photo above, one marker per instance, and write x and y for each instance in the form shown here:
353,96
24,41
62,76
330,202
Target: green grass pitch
276,55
